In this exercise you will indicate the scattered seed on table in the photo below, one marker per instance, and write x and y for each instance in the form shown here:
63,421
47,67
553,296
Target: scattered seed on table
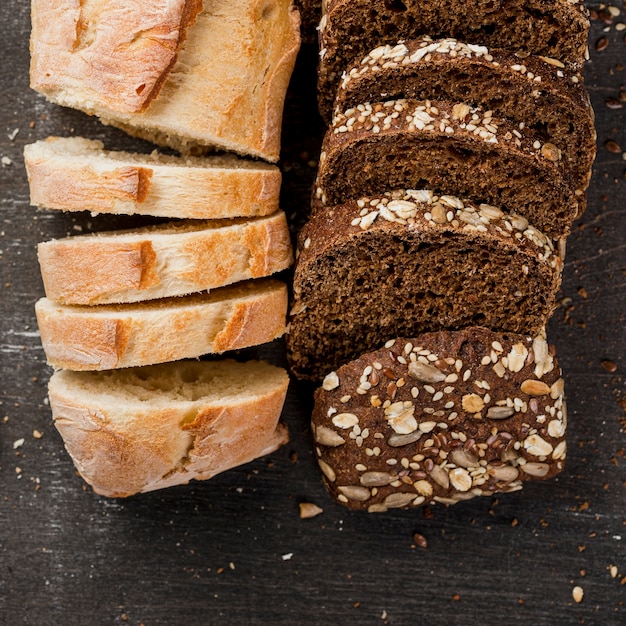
602,44
609,366
612,146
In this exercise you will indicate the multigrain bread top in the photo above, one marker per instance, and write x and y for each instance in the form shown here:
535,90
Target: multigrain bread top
78,174
351,28
408,262
163,261
536,92
225,90
110,336
441,417
106,53
451,148
141,429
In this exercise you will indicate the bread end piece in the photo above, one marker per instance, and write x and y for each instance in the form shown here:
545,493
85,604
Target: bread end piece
142,429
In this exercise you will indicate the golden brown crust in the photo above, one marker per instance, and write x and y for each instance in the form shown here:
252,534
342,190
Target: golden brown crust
163,261
76,174
228,86
122,445
109,336
115,54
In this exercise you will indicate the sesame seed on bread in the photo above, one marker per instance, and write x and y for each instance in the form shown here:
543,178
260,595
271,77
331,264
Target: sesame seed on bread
407,262
350,28
540,93
451,148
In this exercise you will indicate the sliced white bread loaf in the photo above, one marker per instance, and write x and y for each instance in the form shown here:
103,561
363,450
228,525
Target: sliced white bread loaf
141,429
111,53
115,336
225,90
163,261
77,174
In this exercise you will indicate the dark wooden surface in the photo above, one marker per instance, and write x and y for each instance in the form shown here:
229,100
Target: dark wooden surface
233,550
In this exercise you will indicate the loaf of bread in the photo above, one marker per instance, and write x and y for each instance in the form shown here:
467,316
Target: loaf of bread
115,336
141,429
226,88
452,149
162,261
114,54
351,28
403,263
77,174
534,92
441,417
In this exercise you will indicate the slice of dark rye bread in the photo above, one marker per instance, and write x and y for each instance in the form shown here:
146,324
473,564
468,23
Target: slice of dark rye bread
404,263
350,28
442,417
452,149
536,92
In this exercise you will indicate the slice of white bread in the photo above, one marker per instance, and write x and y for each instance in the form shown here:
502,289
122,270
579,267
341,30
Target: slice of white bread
162,261
115,53
227,87
77,174
116,336
141,429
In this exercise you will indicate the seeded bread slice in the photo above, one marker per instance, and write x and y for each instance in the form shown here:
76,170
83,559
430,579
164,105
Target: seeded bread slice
535,92
409,262
163,261
77,174
450,148
142,429
115,336
227,87
351,28
442,417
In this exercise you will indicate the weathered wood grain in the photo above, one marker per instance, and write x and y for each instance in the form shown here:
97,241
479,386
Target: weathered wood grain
233,550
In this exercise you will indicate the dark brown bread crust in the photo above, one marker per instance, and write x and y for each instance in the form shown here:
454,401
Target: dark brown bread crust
441,418
536,92
310,14
413,262
552,28
452,149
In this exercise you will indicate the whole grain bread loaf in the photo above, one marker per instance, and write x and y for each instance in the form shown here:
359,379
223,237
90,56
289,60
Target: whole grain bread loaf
163,261
129,335
141,429
351,28
535,92
441,417
226,89
77,174
408,262
449,148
